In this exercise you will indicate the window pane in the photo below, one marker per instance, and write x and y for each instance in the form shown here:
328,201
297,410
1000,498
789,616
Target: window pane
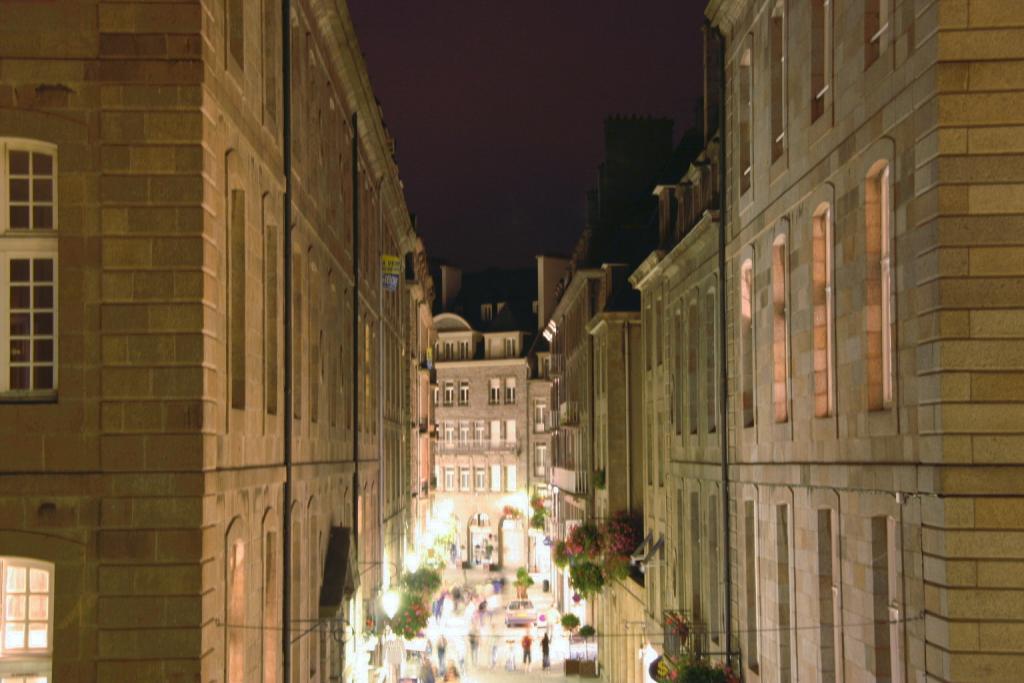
14,636
20,324
19,189
19,378
20,297
19,270
19,162
42,190
42,378
42,270
42,217
19,351
42,164
39,581
43,297
37,636
15,582
42,351
14,608
19,217
43,323
39,607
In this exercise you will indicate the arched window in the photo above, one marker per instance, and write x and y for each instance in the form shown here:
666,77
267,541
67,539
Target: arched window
26,619
28,267
823,313
747,341
235,610
780,330
878,282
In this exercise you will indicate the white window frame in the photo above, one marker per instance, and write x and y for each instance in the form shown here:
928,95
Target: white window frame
481,478
510,478
449,478
465,479
464,433
25,662
30,244
494,395
510,390
463,393
540,459
496,478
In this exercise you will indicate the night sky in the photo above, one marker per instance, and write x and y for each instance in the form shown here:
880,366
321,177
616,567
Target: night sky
498,108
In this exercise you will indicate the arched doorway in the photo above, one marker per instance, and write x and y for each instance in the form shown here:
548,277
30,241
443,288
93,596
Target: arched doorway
481,545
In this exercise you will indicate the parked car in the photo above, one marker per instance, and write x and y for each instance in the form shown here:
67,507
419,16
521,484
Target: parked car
520,613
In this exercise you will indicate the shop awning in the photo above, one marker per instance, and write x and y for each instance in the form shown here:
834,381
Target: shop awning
341,577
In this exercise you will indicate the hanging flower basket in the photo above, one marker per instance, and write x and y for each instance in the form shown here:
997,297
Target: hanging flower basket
690,669
411,617
511,512
424,581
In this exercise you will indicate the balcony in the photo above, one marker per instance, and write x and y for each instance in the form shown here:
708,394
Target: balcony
564,479
472,447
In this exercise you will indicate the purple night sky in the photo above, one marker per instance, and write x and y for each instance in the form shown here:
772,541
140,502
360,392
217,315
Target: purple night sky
498,108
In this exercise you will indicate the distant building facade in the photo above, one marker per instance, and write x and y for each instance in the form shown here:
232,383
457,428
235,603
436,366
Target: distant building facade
482,413
156,523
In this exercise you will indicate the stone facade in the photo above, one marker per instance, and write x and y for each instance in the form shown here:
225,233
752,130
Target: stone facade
153,478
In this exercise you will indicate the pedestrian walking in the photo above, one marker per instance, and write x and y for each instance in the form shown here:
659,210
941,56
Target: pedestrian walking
426,674
442,647
494,651
527,653
545,651
474,642
510,662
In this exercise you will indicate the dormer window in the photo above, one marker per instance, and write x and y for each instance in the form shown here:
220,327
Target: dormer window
486,312
510,347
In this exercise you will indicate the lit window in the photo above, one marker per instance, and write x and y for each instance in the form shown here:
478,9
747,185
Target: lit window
510,478
747,341
821,299
780,331
540,459
28,267
510,390
26,619
495,477
494,397
510,347
486,311
878,283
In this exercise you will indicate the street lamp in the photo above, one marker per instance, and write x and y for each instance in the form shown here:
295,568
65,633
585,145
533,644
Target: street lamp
390,602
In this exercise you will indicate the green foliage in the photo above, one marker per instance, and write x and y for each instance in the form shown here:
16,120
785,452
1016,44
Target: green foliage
424,581
587,578
561,555
523,578
570,622
411,617
588,631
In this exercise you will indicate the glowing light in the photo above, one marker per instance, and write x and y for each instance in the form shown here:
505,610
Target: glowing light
412,562
390,602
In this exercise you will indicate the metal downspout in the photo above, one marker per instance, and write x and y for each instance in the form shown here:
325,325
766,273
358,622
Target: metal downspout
723,380
286,531
357,387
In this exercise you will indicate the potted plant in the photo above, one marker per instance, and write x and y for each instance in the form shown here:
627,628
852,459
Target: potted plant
588,667
523,582
570,622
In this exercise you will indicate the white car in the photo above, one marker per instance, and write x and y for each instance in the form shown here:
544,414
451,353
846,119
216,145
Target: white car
520,613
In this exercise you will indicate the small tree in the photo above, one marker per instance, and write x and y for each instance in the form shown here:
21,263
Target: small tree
587,632
523,581
570,622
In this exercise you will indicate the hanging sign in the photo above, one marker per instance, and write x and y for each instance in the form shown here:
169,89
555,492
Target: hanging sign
391,272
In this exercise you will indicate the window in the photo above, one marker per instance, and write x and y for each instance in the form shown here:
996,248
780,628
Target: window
777,56
829,616
510,477
878,281
270,256
710,366
884,605
449,478
821,299
449,393
236,278
481,429
235,612
745,83
750,582
780,331
271,641
695,559
236,32
495,432
464,482
821,55
494,397
659,346
678,384
783,592
449,353
449,433
271,63
714,587
26,619
510,432
876,23
464,431
510,390
464,353
481,478
297,338
437,395
463,393
540,459
692,354
540,415
495,477
747,341
28,267
486,312
510,347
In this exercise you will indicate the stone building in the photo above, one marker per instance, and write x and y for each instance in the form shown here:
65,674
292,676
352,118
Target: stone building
482,412
181,499
422,338
860,260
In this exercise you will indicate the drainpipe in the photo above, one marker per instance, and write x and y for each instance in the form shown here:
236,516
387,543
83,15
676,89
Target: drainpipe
357,387
381,393
286,532
723,379
629,414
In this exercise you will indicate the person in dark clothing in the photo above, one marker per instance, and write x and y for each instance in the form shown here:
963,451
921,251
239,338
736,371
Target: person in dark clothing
442,646
545,651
